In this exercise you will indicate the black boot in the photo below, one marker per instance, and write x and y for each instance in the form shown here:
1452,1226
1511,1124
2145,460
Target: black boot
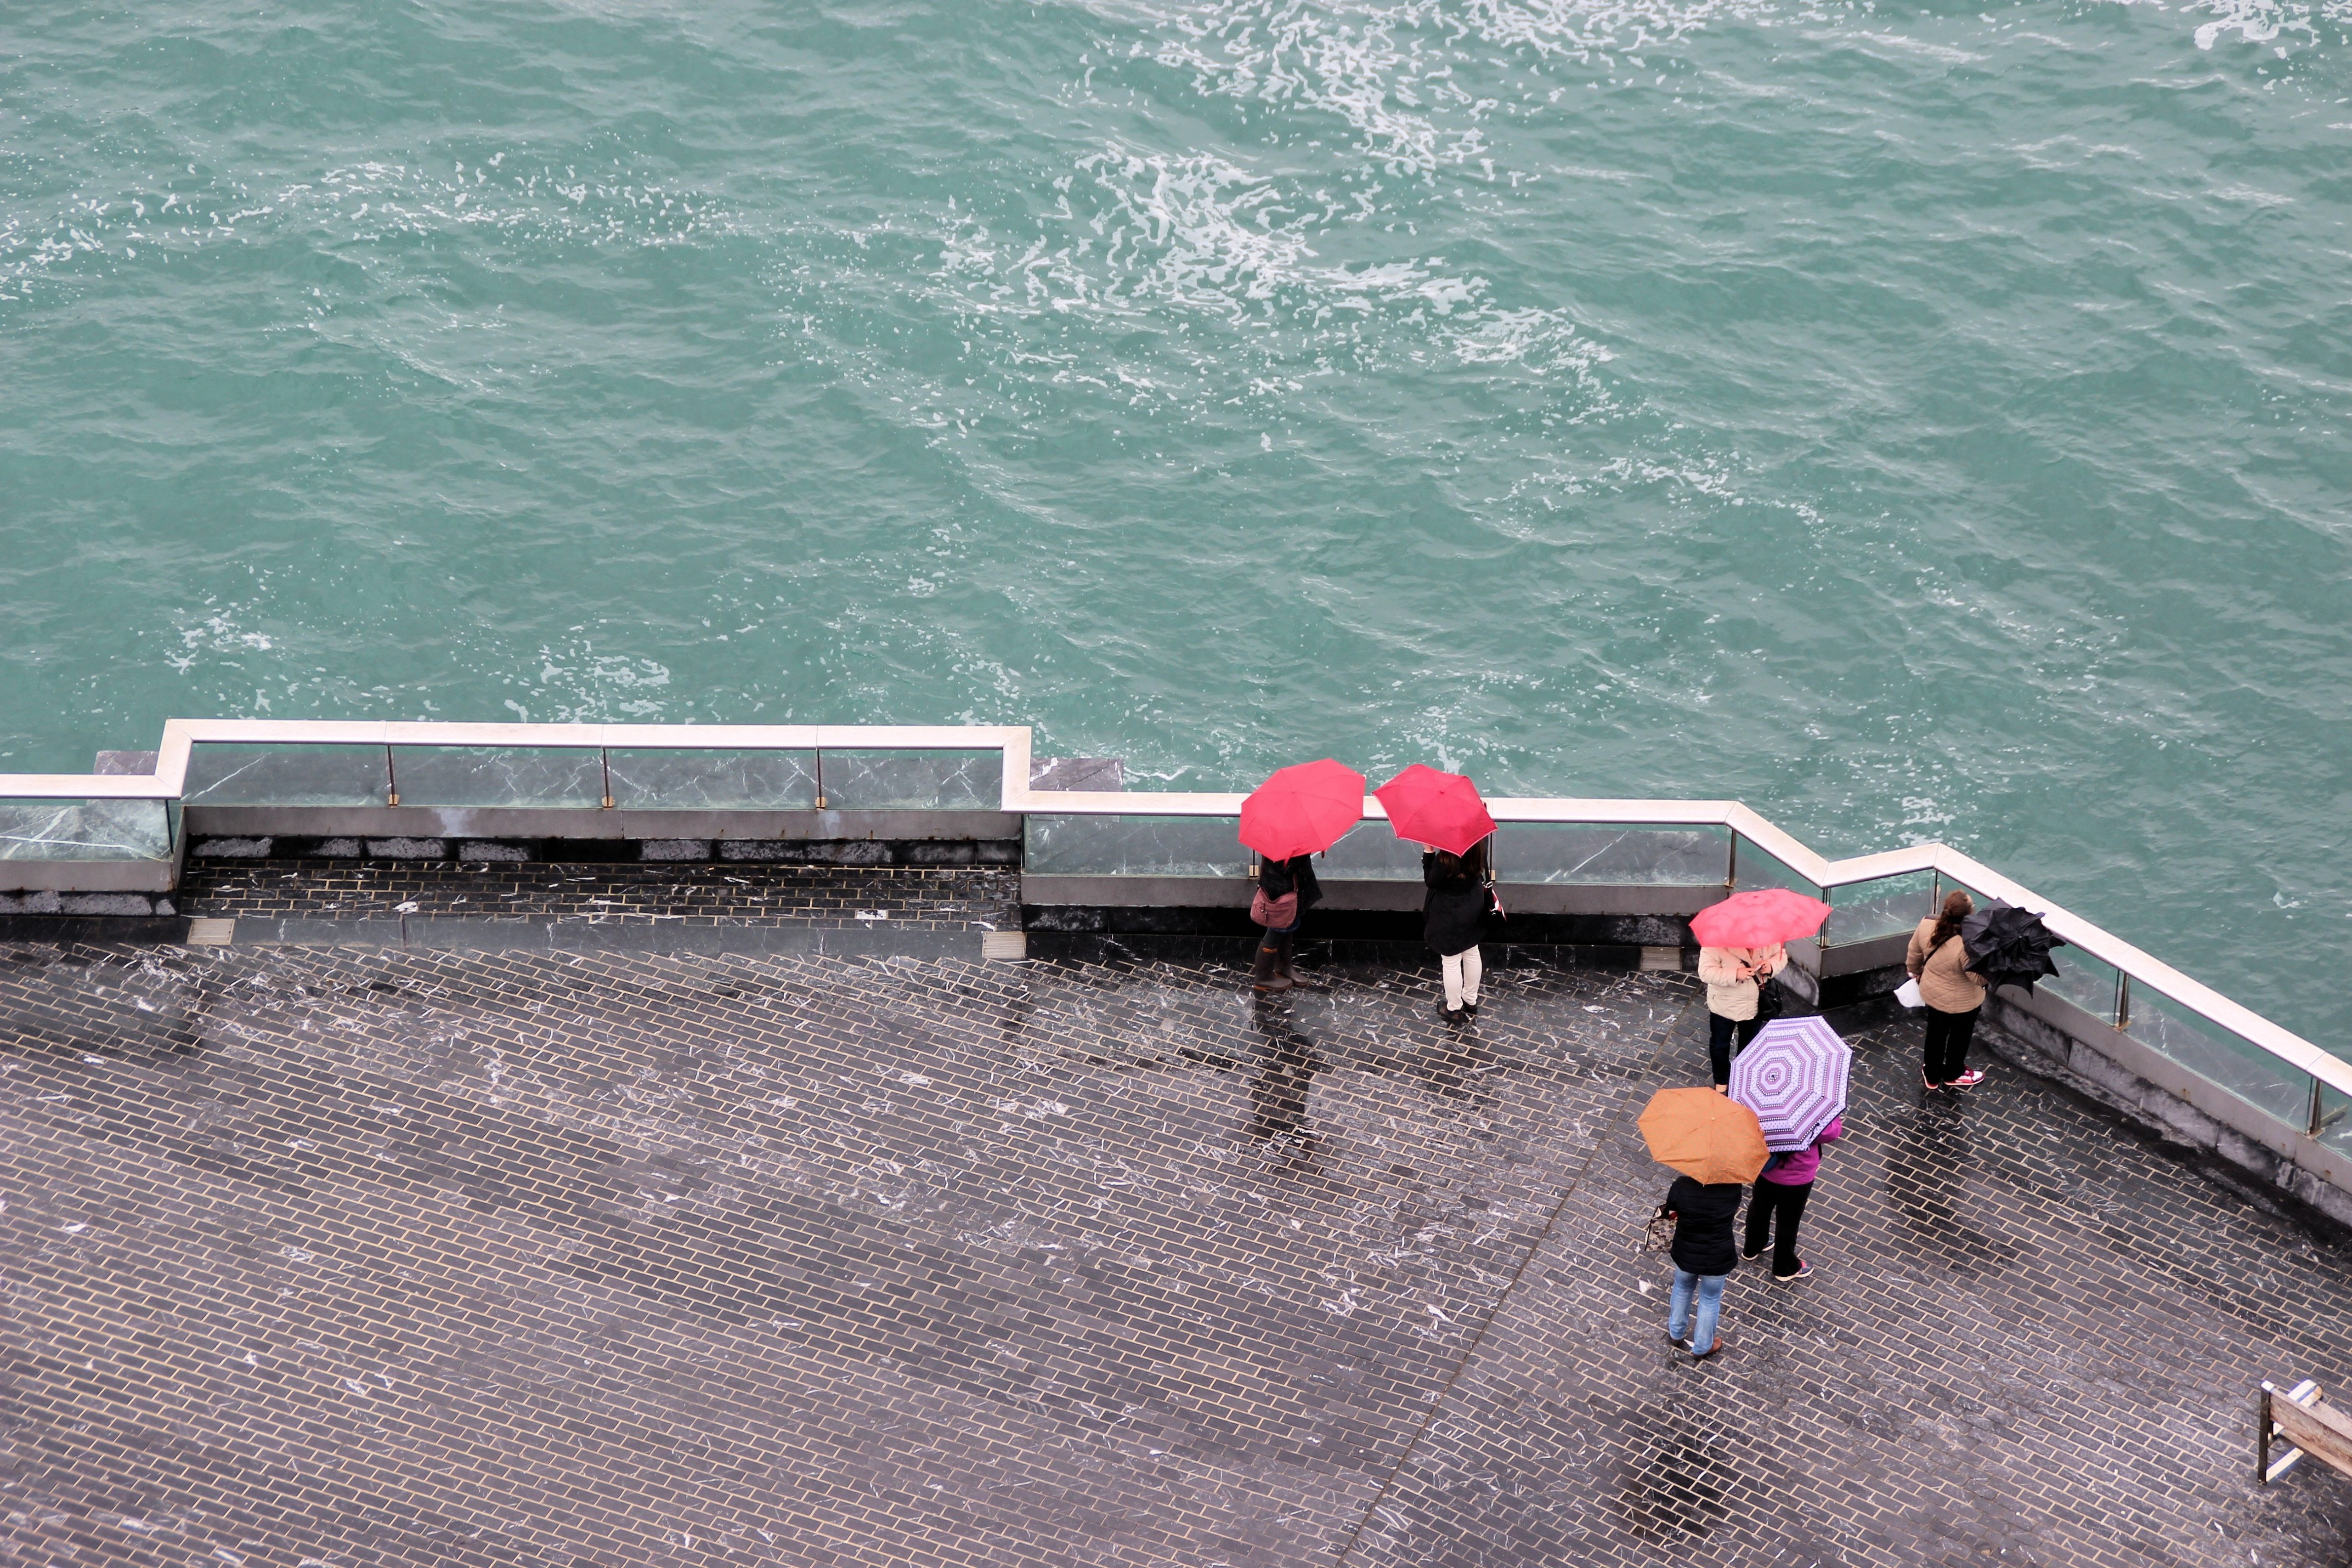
1302,983
1268,976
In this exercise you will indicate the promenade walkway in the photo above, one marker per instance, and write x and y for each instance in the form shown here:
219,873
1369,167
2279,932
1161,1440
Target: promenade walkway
492,1249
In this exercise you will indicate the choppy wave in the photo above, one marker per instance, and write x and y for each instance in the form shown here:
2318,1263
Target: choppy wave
2279,23
1142,232
1391,71
538,208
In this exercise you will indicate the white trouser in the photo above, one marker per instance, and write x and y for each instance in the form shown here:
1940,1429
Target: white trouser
1462,973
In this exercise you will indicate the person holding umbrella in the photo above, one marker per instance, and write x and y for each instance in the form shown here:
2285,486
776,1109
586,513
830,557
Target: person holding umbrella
1703,1260
1717,1147
1286,889
1450,913
1781,1190
1734,977
1739,951
1444,811
1293,817
1794,1079
1938,960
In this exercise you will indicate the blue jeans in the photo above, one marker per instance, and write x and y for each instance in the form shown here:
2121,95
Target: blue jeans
1709,1287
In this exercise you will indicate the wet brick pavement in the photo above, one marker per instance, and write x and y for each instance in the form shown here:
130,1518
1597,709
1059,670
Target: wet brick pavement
360,1256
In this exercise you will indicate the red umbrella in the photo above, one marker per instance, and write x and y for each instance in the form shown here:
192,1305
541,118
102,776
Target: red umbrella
1302,809
1441,810
1758,918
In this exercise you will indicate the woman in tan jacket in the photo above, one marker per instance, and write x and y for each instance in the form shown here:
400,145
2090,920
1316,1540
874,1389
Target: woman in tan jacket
1952,994
1734,977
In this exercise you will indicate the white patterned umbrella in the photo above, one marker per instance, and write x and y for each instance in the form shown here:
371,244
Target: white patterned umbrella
1792,1076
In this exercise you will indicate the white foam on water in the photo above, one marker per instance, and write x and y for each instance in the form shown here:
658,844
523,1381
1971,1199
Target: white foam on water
577,684
1139,231
1933,51
544,207
1389,70
2266,22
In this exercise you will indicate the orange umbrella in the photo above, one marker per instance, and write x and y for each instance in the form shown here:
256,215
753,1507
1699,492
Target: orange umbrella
1707,1136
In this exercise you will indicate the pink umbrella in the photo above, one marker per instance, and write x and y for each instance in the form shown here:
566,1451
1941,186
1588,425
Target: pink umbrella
1302,809
1758,918
1441,810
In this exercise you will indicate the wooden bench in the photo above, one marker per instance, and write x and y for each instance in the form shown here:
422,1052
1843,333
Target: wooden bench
2302,1420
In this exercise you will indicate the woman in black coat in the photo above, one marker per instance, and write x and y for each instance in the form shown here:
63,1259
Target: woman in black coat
1286,889
1703,1260
1451,915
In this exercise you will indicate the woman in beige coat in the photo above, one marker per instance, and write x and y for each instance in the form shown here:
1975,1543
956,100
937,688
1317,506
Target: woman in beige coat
1734,976
1952,994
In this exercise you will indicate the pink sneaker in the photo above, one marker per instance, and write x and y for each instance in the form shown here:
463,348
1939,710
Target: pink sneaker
1968,1080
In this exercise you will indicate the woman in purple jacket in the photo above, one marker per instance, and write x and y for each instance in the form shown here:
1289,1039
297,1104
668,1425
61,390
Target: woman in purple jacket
1787,1181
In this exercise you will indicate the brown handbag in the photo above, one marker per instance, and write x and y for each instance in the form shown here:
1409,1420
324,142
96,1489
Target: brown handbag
1275,914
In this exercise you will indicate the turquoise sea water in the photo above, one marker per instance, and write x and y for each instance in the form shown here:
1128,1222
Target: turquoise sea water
1916,421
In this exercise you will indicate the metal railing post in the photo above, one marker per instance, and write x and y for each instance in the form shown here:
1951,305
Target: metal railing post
391,780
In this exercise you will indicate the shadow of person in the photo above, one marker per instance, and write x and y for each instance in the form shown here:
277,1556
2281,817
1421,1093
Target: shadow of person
1278,1093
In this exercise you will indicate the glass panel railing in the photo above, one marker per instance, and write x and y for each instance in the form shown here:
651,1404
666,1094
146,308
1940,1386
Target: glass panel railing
912,781
85,830
2220,1056
1370,851
712,781
224,774
1607,854
2332,1124
1753,865
1134,847
2084,982
1882,907
499,776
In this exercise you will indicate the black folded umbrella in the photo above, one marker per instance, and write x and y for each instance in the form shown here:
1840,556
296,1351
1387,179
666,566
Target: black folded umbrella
2008,946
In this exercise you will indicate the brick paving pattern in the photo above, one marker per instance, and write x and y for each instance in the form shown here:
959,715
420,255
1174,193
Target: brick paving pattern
362,1256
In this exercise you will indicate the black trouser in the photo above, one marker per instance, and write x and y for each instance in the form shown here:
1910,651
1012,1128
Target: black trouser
1948,1035
1719,1042
1769,1199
